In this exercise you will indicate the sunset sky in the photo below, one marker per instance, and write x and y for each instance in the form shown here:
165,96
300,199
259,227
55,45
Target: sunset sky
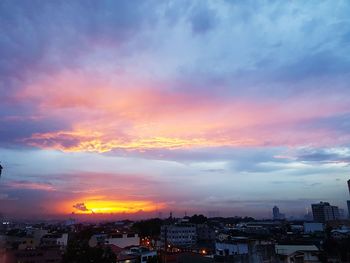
139,107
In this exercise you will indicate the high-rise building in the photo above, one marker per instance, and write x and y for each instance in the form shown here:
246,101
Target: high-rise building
276,214
324,212
348,202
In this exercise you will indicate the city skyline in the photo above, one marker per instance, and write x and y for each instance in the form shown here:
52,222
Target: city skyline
140,107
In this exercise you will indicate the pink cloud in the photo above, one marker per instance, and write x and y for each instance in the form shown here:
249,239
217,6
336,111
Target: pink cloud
30,185
106,114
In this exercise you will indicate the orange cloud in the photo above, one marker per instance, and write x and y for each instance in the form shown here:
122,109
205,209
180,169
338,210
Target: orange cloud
90,141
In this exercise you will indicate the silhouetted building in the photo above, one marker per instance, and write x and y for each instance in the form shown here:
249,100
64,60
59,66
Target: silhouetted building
0,169
324,212
348,202
40,255
276,214
205,233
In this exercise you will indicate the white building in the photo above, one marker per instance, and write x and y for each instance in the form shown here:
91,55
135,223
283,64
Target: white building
236,246
183,235
121,240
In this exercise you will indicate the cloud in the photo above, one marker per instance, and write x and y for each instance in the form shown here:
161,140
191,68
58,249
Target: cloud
22,184
81,207
325,155
119,114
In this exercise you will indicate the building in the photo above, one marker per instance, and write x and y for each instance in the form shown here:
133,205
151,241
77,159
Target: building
205,233
124,240
341,233
297,253
348,202
38,255
276,214
121,240
234,249
134,254
181,235
37,235
312,227
324,212
55,239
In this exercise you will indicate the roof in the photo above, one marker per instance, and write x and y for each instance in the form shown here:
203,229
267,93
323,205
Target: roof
290,249
126,257
342,231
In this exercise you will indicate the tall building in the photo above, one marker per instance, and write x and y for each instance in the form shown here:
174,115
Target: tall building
276,214
181,234
324,212
348,202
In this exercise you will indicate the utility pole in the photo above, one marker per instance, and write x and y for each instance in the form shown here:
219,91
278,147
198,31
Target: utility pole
165,243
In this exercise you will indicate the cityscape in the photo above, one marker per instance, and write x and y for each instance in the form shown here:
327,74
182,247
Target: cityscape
175,131
323,236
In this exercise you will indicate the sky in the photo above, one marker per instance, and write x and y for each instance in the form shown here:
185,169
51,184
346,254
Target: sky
136,108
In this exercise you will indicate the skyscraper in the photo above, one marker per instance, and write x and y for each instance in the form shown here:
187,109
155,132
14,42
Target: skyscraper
324,212
276,213
348,202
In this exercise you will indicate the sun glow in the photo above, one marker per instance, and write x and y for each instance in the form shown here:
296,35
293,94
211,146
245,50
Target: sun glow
111,206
